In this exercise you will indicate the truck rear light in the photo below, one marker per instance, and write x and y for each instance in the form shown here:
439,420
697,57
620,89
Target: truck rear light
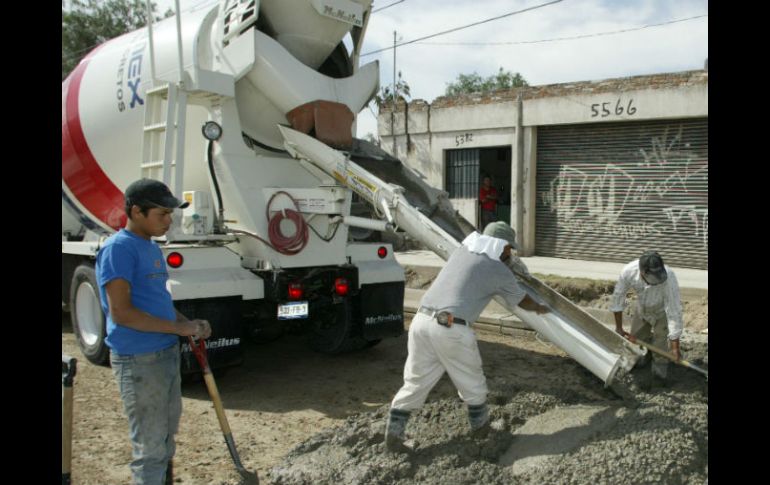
175,260
295,291
382,252
341,286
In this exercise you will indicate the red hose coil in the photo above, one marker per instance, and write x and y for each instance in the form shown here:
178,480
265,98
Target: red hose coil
287,245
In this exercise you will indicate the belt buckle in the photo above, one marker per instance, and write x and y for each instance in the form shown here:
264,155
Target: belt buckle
445,319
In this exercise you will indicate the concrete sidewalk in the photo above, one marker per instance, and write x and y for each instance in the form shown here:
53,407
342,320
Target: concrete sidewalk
688,278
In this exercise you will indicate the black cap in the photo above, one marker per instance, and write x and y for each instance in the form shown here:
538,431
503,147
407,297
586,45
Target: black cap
152,192
652,269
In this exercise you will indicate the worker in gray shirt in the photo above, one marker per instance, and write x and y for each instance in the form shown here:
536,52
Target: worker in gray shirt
440,336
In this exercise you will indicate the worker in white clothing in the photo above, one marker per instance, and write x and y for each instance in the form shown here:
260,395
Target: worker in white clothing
440,336
658,315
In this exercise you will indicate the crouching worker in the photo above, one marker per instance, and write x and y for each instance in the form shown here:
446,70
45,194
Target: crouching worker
441,338
658,315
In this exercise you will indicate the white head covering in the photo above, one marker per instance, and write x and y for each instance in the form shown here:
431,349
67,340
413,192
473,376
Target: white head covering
490,246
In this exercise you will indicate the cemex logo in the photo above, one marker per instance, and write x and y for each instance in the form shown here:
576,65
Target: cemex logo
133,75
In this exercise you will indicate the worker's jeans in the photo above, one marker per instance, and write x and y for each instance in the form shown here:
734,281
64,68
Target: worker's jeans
150,387
434,348
654,331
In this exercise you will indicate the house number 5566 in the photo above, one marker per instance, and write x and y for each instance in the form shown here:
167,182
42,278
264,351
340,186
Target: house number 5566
607,109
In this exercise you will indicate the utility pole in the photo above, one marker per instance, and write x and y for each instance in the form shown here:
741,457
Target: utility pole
393,112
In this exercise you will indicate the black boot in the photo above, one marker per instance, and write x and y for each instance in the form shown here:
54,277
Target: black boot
478,418
169,473
395,431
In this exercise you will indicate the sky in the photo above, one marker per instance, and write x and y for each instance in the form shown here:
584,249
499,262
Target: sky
429,65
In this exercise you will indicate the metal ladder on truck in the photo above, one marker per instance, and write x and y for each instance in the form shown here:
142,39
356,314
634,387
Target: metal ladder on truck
164,129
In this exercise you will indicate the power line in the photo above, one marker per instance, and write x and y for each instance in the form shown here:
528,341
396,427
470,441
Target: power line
386,6
463,27
567,38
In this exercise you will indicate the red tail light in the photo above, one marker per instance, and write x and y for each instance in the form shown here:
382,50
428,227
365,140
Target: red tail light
341,286
295,291
382,252
175,260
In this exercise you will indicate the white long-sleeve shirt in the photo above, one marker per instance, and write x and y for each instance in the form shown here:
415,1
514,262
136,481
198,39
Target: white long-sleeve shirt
653,300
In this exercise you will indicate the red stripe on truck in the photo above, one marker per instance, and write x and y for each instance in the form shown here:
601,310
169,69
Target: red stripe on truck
79,169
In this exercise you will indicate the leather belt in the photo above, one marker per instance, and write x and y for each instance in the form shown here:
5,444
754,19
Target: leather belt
441,316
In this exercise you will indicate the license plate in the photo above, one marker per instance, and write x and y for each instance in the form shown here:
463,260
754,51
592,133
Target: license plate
297,309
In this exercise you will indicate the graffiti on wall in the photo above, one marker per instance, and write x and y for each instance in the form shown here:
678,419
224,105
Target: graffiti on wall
647,195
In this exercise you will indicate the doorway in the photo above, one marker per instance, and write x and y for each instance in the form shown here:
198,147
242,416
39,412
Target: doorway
465,170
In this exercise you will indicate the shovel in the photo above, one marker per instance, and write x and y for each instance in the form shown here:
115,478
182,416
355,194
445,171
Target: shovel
68,370
199,350
668,355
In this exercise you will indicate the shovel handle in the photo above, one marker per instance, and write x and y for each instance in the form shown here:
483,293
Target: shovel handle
670,356
68,368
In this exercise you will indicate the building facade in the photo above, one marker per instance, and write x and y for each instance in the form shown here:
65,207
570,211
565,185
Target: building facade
596,170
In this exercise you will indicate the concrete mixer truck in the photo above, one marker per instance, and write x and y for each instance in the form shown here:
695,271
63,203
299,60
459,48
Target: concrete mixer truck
246,110
195,101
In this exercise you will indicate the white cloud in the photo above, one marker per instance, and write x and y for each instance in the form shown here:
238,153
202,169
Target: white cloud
428,67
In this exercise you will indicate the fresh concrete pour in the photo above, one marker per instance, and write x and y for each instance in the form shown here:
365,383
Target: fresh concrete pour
558,426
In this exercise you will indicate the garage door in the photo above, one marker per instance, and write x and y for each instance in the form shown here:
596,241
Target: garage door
609,191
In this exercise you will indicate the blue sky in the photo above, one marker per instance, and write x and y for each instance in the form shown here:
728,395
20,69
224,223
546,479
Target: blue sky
429,66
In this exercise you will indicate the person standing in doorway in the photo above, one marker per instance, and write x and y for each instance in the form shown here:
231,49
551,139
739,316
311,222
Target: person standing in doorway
143,329
488,199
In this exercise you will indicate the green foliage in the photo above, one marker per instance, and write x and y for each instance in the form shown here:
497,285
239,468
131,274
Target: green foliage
87,23
473,83
385,96
372,139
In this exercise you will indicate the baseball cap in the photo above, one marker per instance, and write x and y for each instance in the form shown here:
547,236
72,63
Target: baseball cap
652,269
153,192
503,231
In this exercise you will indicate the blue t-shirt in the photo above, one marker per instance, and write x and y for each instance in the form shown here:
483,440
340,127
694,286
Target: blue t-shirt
140,262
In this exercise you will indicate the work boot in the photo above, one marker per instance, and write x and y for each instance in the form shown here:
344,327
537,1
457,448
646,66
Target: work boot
395,431
478,418
169,473
659,376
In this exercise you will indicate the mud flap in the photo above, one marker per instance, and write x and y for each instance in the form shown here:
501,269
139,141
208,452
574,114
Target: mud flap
382,310
224,345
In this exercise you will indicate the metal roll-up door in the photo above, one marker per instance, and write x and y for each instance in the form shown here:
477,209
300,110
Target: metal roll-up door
609,191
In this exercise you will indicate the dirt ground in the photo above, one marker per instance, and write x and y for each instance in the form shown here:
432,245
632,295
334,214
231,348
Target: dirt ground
286,404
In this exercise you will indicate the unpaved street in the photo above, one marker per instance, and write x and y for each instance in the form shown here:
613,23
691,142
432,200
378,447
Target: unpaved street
285,394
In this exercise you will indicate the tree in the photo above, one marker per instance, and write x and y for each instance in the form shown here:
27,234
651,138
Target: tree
473,83
372,139
88,23
385,96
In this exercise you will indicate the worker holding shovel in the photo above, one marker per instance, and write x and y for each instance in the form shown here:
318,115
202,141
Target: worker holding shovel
658,315
143,329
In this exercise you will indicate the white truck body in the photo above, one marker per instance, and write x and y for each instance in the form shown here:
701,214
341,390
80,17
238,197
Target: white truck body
128,112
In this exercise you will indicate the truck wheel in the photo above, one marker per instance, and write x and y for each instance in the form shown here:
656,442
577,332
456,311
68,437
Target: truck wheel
334,333
88,320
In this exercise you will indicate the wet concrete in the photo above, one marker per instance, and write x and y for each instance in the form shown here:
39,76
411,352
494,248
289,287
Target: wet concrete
552,423
553,433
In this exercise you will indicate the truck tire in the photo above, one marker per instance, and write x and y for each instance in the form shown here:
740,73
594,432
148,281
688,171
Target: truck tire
88,320
336,333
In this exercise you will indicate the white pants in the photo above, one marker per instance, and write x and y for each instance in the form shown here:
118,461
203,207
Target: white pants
434,349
